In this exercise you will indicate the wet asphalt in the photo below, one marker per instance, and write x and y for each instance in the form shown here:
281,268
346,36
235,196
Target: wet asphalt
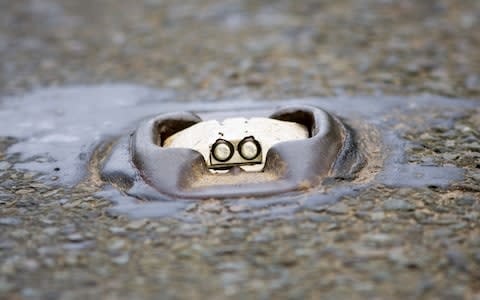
384,243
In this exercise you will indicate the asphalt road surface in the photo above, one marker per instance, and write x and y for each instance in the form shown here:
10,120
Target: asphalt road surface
384,243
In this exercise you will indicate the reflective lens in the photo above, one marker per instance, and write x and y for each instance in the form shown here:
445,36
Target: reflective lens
249,148
222,150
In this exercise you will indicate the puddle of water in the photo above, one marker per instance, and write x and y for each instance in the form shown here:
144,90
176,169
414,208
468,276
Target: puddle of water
58,129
